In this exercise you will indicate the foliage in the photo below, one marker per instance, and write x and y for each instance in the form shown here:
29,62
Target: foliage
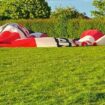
52,76
100,8
68,12
17,9
61,27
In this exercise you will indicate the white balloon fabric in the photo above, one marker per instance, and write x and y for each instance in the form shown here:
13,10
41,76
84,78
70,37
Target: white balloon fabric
38,35
101,41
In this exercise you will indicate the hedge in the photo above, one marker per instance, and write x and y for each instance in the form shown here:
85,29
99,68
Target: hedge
61,28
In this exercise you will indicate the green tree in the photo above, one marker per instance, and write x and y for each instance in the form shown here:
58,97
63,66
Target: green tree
16,9
100,8
67,12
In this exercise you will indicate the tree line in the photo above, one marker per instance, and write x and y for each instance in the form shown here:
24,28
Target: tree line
30,9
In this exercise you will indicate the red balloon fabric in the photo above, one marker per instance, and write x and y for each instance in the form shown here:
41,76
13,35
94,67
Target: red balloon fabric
96,34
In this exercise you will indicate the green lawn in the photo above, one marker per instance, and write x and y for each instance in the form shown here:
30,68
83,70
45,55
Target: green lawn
52,76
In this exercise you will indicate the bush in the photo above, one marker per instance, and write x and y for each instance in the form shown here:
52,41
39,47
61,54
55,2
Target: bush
68,12
61,27
24,9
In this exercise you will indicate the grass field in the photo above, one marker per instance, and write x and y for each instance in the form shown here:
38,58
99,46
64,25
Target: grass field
52,76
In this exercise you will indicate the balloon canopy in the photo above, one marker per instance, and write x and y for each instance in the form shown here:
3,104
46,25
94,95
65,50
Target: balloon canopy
96,34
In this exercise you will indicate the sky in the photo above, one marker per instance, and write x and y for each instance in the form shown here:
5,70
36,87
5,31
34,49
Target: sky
80,5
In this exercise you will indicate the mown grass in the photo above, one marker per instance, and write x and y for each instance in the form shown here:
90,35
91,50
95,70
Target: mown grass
52,76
